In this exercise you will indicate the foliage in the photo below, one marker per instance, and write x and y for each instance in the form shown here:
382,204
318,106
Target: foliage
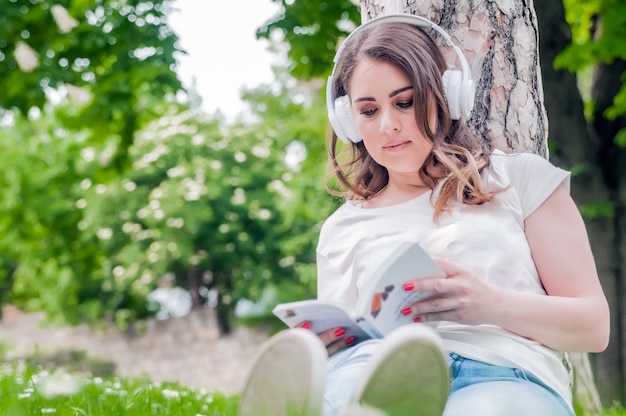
312,30
200,205
302,125
117,56
30,390
45,262
598,29
209,207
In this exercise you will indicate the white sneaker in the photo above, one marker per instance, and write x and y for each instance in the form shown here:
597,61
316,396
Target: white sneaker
407,375
287,377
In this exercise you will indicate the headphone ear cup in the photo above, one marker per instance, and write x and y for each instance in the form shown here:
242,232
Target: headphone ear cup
452,80
346,127
467,95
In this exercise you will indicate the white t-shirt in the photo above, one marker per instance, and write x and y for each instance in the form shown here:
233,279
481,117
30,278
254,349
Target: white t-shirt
487,239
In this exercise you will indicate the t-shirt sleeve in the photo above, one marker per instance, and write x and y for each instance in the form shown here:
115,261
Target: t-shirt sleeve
532,177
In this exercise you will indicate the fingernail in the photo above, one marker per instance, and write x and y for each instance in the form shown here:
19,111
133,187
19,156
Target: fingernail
349,340
408,287
417,319
406,311
340,332
306,325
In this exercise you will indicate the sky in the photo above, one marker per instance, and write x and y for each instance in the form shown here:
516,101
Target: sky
223,52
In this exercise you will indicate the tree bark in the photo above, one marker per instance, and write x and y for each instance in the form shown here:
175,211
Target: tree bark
500,40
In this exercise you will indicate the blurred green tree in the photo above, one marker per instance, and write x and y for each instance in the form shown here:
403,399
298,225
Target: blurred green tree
311,30
46,263
204,208
116,57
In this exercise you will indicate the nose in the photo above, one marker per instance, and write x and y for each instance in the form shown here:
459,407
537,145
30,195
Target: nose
389,123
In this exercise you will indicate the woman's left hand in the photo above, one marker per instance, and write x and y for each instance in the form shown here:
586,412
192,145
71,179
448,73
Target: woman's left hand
461,297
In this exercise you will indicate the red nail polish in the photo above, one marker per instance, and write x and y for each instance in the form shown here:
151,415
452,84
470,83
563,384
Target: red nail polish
408,287
417,319
406,311
349,340
340,332
306,325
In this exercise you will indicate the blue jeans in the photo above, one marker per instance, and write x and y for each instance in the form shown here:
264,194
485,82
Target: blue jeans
476,388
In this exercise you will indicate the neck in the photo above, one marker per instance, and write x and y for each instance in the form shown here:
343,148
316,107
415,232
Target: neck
396,193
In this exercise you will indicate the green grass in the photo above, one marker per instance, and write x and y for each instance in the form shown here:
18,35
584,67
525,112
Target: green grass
27,390
615,410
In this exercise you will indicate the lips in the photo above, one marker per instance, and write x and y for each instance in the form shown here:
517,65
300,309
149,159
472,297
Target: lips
396,145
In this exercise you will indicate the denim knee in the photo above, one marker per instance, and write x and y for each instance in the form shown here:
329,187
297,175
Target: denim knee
343,371
478,388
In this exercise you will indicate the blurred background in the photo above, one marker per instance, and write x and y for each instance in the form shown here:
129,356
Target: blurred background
163,163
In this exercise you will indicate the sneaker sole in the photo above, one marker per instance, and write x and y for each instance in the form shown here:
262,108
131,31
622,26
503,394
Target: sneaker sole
287,377
408,375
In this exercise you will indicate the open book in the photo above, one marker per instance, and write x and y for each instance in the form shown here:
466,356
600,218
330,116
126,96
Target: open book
380,302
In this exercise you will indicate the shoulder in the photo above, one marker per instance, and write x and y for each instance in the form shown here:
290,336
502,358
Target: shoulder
521,168
532,177
515,163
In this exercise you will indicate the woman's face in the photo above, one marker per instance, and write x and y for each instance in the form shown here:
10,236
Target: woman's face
382,103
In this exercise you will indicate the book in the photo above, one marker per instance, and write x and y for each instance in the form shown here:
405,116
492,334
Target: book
380,303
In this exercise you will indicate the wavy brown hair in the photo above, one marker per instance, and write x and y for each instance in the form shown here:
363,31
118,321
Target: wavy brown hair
457,157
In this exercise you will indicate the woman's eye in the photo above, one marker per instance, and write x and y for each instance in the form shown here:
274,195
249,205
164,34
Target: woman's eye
368,112
405,104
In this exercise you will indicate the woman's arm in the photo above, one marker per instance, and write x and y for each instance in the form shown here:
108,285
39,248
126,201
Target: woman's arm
575,314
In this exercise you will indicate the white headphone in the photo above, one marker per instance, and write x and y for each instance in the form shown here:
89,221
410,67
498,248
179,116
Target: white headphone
458,85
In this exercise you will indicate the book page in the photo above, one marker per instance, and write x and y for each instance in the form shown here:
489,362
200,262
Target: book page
323,315
382,300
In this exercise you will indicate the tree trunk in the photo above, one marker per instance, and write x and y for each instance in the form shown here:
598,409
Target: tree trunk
500,40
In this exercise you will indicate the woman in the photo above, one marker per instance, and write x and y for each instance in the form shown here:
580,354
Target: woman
521,289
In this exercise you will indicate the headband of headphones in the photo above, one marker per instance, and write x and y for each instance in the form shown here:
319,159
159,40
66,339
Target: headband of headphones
458,85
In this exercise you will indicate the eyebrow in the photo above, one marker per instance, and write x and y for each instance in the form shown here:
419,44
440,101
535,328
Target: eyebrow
393,94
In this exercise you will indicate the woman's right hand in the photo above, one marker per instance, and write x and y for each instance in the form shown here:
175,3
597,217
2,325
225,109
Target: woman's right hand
335,339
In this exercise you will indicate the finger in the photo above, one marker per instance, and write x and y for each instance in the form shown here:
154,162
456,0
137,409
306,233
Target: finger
435,285
451,269
451,316
340,344
332,335
433,305
304,325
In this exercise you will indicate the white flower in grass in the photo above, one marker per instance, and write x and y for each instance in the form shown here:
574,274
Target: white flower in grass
59,384
25,395
26,57
170,394
64,21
